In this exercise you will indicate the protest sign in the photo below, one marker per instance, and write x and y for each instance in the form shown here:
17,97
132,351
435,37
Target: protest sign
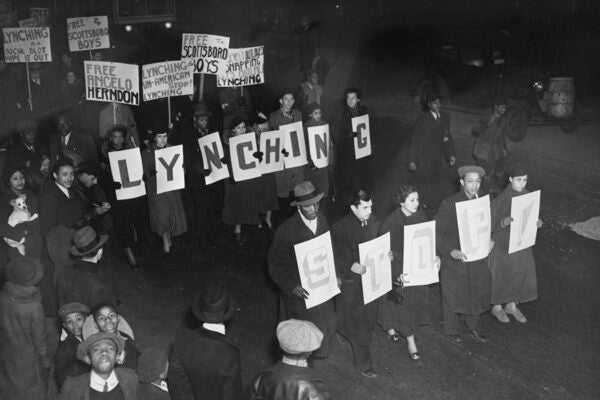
362,139
294,145
27,23
244,67
108,81
169,169
126,167
167,79
271,144
212,152
243,164
88,33
317,269
41,15
525,212
26,45
419,254
373,254
474,227
207,53
318,145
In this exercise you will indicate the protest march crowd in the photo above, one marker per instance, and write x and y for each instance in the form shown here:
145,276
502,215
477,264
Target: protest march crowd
82,178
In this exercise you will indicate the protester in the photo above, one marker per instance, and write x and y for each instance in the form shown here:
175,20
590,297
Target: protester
118,114
71,89
66,363
152,371
318,176
404,308
102,351
356,319
466,285
241,198
70,144
430,144
24,363
204,363
513,275
266,185
310,91
291,378
235,102
307,223
93,199
29,155
167,218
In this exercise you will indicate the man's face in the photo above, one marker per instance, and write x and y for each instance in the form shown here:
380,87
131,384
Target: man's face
201,122
65,176
107,320
63,125
411,203
29,137
352,100
117,139
98,56
287,102
103,356
87,180
314,78
471,183
73,323
363,210
435,105
518,183
310,212
161,140
70,77
316,115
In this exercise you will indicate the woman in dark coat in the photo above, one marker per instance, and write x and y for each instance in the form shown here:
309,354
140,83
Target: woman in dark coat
167,218
266,185
403,307
513,275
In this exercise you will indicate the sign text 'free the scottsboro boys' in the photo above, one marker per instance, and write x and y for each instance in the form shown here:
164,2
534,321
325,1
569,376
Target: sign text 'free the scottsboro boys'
26,45
245,67
114,82
87,33
208,53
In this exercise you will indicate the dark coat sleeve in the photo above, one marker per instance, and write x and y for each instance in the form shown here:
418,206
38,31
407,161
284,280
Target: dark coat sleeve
232,377
179,385
344,253
445,219
281,262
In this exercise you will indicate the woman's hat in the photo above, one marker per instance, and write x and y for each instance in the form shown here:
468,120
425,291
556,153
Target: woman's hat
305,194
24,271
86,241
296,336
213,304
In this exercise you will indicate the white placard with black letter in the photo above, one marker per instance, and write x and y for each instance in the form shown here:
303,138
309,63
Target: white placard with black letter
243,164
362,140
525,212
419,254
169,169
474,227
318,144
271,144
294,145
373,254
212,153
126,168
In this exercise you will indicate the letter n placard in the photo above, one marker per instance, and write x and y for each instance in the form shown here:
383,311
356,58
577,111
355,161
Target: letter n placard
474,227
317,269
419,254
126,168
373,254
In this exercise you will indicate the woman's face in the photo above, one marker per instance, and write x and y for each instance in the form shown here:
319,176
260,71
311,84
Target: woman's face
65,176
240,129
107,320
518,183
17,181
117,139
161,140
411,203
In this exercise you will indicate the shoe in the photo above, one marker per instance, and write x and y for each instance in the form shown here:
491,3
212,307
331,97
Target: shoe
240,239
455,338
515,312
134,267
500,315
477,336
393,337
414,356
369,374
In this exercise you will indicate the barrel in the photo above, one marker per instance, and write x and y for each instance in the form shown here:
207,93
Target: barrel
561,97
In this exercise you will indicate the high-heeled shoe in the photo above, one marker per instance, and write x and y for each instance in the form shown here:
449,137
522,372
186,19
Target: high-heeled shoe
414,356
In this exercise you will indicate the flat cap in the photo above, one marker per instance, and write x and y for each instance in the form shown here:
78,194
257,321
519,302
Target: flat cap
296,336
465,169
83,347
73,307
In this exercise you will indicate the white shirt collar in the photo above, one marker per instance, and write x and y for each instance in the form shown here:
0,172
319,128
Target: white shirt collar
67,137
63,189
310,223
219,328
295,362
97,383
163,386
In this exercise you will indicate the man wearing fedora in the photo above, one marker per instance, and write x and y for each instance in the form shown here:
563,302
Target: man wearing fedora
82,281
204,363
291,378
206,200
305,224
431,144
102,351
466,285
24,362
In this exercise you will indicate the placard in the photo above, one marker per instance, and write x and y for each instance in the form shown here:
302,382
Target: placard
362,140
167,79
474,227
419,254
88,33
207,53
127,169
114,82
373,254
26,45
41,15
525,212
169,169
212,153
317,269
244,67
318,145
28,23
271,144
294,145
243,164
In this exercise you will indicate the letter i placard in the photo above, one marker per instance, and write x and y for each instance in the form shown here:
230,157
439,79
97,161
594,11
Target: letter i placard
525,211
373,254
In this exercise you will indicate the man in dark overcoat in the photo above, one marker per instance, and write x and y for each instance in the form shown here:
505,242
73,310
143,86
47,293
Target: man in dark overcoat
356,320
70,144
431,144
29,155
466,285
204,363
307,223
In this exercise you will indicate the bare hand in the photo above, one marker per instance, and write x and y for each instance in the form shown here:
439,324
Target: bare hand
437,263
358,268
452,160
391,255
539,223
458,255
300,292
492,243
506,221
412,166
403,278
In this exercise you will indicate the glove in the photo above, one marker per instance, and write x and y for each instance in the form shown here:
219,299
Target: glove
224,160
117,185
258,155
285,152
206,172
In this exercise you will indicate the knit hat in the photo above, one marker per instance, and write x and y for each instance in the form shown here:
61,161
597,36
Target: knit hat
296,336
151,364
83,347
24,271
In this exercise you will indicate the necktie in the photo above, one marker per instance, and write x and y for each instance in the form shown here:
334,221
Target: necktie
63,140
364,223
105,386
